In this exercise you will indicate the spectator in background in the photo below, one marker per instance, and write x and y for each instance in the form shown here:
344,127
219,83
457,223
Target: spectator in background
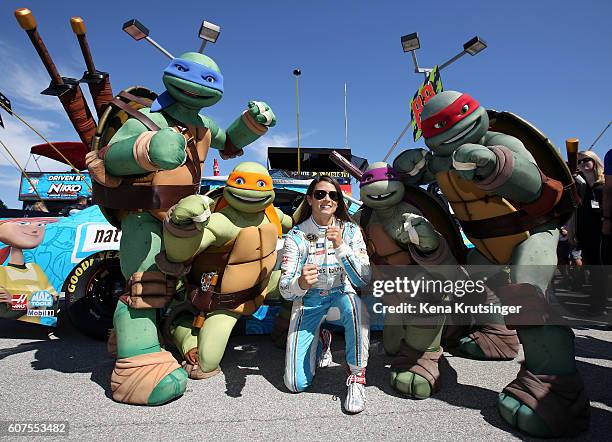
606,226
589,225
39,206
81,203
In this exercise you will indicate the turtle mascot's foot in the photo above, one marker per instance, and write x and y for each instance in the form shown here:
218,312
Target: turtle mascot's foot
416,373
491,342
545,405
192,366
148,379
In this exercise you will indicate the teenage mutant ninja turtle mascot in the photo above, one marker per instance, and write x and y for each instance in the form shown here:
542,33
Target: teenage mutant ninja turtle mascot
509,195
148,154
396,222
231,255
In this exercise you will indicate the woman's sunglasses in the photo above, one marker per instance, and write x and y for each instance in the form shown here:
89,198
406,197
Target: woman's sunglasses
320,194
584,160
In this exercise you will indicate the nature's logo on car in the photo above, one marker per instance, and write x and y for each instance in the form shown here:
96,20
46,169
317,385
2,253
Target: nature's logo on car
94,237
41,298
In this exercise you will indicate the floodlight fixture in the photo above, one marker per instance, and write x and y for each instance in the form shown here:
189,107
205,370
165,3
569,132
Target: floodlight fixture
474,46
209,32
138,31
410,42
135,29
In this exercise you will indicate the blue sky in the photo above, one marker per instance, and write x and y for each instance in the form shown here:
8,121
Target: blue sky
548,61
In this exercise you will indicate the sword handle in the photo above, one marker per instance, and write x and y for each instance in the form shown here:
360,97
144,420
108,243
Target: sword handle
571,146
26,20
345,165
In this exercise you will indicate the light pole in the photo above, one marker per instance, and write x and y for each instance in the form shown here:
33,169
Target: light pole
138,31
209,32
296,74
410,43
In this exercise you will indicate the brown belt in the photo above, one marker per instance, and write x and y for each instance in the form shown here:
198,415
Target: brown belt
543,211
209,300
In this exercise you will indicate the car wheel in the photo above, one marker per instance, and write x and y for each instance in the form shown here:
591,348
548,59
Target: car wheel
92,289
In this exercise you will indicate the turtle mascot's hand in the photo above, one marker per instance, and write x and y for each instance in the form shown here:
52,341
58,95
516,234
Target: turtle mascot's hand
194,208
167,149
418,231
262,113
474,161
410,162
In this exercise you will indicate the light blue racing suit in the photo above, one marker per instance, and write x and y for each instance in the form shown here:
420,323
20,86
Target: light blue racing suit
331,298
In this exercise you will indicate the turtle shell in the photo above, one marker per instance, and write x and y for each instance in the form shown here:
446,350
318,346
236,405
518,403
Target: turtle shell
435,213
114,117
433,210
544,152
136,97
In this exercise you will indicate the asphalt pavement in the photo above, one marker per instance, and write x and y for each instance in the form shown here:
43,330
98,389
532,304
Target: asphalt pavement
66,377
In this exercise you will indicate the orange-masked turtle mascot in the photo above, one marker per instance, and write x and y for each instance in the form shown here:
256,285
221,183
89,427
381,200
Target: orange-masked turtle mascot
231,254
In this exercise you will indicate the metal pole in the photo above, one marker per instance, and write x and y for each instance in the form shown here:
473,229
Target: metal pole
22,170
163,51
297,116
456,57
397,141
201,50
345,118
600,135
66,160
416,63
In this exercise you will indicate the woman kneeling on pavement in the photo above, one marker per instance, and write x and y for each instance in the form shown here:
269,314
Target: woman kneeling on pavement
324,259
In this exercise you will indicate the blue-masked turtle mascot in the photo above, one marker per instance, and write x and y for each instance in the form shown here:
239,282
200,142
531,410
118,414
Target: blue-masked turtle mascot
147,155
509,193
231,255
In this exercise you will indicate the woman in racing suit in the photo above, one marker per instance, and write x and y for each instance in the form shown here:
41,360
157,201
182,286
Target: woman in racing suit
323,259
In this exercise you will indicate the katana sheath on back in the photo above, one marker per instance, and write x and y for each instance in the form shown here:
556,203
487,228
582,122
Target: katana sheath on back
98,82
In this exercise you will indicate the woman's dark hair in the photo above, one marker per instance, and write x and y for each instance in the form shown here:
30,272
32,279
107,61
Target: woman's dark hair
341,211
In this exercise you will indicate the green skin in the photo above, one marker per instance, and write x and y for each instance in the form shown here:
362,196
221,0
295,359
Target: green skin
548,349
391,211
142,237
220,228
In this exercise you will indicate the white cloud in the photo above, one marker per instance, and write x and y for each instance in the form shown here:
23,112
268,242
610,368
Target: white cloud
259,148
18,138
9,189
22,83
23,77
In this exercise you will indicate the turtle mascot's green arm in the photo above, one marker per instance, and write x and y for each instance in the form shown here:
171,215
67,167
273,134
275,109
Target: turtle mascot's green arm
193,81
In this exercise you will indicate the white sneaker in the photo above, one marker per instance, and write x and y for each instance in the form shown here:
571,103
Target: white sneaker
325,360
355,396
